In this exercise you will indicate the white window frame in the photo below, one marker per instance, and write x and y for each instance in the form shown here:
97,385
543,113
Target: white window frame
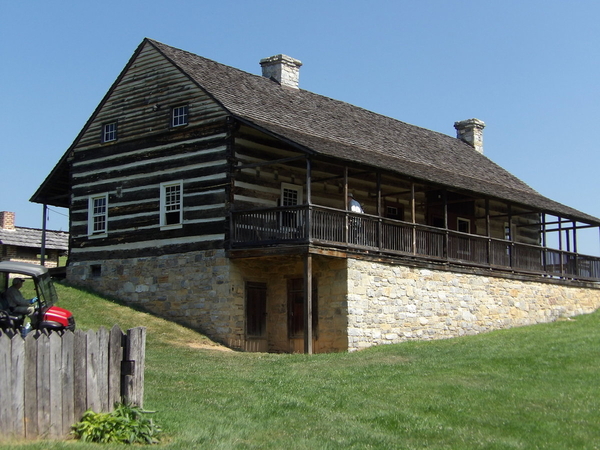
464,249
167,205
180,116
460,220
291,187
97,215
109,132
290,220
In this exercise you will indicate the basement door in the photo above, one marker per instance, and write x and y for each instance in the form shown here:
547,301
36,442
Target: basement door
256,310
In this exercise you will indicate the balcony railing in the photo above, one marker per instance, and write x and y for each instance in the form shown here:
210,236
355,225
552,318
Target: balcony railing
345,229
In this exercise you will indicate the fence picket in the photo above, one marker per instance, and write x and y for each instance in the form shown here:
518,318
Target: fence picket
5,379
55,386
67,379
93,396
17,407
115,357
102,369
43,386
134,353
79,374
30,382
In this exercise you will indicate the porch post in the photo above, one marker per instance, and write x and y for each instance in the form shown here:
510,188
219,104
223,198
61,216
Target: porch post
379,213
576,268
447,232
307,220
43,249
511,254
488,231
308,319
346,208
413,212
545,250
560,245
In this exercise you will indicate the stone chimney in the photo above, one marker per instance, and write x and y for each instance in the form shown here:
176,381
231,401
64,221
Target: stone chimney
471,132
7,220
282,69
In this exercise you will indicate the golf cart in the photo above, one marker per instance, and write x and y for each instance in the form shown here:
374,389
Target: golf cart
46,316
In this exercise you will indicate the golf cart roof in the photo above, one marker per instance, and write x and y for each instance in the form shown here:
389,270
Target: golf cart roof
33,270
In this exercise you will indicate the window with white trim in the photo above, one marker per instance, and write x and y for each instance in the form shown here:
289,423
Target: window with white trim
109,132
291,195
463,225
97,215
171,208
179,116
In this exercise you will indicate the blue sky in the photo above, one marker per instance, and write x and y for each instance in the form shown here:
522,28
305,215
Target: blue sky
529,69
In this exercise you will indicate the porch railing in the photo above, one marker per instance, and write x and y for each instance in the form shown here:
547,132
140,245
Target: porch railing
333,227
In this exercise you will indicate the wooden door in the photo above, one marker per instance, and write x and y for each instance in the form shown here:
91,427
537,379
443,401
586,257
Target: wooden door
256,310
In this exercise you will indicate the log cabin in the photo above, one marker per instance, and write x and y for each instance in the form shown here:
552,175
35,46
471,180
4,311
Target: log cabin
221,200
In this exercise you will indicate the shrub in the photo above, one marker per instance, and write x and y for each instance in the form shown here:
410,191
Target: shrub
126,424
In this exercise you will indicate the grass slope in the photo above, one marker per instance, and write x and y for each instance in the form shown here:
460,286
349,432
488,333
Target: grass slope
524,388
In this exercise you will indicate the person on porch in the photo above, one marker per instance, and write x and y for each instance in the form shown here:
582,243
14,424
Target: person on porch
355,234
353,204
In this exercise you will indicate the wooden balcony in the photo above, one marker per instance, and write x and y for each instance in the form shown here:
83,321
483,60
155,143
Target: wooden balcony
303,225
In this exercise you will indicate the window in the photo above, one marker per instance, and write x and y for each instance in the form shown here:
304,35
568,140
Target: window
97,215
291,195
109,132
179,116
462,244
507,232
394,210
463,225
96,270
171,211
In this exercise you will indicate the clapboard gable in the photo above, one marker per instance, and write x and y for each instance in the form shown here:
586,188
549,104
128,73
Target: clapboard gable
141,99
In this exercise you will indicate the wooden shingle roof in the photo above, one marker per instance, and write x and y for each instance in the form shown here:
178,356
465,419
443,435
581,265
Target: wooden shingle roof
337,129
32,238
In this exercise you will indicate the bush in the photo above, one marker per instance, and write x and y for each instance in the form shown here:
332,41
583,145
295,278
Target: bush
127,424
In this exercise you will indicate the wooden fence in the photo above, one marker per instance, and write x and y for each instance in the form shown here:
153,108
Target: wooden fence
47,381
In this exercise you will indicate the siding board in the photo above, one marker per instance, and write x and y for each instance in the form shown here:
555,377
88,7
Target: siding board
142,100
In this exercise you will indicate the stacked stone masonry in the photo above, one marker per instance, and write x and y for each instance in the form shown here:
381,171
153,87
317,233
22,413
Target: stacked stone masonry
360,303
392,303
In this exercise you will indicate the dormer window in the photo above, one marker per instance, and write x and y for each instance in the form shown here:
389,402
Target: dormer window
109,132
179,116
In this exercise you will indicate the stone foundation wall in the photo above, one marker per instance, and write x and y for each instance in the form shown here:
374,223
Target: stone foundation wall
206,290
391,303
193,289
360,303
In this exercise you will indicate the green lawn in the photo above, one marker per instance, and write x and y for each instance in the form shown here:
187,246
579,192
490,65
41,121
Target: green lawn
526,388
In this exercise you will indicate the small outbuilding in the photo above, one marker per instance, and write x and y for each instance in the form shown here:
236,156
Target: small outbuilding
25,244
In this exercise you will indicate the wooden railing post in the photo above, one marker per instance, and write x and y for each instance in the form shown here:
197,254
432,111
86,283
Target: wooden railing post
133,366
